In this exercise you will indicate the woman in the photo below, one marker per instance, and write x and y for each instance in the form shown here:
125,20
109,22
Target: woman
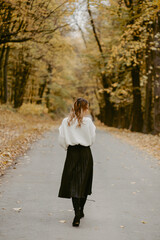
76,135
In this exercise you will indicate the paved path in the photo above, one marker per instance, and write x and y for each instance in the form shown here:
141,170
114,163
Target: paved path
125,204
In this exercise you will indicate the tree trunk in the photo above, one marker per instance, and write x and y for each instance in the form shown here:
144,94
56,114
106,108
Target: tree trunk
137,117
48,97
5,83
148,99
1,56
1,80
156,63
41,91
106,112
137,120
48,87
22,71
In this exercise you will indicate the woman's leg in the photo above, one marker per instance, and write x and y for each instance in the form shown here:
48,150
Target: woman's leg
76,206
82,203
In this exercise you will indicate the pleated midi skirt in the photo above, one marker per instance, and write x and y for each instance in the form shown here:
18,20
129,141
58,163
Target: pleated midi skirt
77,173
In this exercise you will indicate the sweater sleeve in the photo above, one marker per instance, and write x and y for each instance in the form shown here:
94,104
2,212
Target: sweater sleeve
92,131
61,137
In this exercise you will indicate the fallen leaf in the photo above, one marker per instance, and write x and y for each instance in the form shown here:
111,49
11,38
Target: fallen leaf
143,222
50,214
62,221
5,162
133,182
6,154
17,209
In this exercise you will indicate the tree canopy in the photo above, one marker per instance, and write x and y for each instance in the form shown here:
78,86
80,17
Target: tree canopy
106,51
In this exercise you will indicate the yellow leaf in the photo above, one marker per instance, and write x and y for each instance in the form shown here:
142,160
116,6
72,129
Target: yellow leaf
143,222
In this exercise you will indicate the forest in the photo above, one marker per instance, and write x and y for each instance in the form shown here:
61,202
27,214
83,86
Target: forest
105,51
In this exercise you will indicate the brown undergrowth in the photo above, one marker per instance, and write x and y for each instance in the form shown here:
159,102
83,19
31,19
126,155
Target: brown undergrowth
17,131
147,142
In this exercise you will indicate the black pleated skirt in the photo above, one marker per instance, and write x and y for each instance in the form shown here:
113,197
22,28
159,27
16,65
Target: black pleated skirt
77,173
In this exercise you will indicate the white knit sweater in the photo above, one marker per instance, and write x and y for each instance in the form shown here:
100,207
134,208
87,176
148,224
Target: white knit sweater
72,135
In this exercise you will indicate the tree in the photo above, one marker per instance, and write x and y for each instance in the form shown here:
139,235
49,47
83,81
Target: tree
106,111
137,119
21,22
156,63
147,127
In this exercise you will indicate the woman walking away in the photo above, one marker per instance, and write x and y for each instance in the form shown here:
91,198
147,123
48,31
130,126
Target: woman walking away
76,135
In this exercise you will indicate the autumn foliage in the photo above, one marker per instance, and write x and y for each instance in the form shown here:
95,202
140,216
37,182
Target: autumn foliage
108,52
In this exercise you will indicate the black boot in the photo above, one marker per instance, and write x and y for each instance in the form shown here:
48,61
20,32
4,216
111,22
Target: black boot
82,203
76,206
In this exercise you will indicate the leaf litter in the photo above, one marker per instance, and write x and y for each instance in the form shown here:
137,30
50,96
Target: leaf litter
147,142
17,132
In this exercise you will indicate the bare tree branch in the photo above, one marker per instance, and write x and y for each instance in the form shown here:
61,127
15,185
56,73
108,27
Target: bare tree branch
94,28
56,9
15,40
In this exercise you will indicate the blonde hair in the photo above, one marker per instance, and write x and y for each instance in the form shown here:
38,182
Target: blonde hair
79,106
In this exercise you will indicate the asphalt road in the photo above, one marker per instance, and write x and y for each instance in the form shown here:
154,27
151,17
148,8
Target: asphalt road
124,205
